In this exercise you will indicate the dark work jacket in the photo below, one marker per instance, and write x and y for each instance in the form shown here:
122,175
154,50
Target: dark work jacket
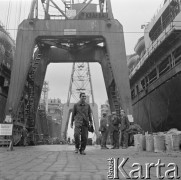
124,123
103,124
81,114
114,123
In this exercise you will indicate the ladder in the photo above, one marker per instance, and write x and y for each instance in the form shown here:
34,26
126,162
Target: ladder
30,107
115,99
114,91
26,109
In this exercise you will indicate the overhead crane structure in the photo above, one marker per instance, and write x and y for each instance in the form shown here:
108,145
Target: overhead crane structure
81,32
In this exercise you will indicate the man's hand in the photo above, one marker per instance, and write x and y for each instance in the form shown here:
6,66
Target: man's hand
90,123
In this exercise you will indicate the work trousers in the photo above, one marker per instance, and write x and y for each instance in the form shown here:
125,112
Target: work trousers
80,136
104,135
24,140
111,138
120,139
115,138
125,137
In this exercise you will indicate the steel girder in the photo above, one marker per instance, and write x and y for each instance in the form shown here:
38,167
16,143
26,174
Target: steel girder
32,32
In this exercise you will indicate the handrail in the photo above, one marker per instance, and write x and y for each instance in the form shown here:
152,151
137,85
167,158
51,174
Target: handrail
157,11
162,34
151,49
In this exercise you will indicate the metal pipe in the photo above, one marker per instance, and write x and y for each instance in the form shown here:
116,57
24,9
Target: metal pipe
70,86
101,5
91,84
36,9
109,9
59,9
32,8
47,8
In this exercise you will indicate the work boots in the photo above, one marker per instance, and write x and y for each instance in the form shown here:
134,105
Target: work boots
82,152
76,150
104,147
79,150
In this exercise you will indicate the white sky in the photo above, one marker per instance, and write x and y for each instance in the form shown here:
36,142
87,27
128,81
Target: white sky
130,13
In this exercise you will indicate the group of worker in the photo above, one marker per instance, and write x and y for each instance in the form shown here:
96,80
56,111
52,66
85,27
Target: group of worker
116,127
112,124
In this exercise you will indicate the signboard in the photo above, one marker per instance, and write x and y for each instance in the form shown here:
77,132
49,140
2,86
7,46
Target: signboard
93,15
6,129
70,32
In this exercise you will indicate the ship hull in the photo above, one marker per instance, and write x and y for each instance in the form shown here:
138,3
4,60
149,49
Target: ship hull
160,109
156,79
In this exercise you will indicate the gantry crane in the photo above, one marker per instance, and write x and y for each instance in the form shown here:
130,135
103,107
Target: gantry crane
80,32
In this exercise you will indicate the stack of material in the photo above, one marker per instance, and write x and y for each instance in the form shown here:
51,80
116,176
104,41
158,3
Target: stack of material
134,129
140,142
168,142
158,142
173,140
149,143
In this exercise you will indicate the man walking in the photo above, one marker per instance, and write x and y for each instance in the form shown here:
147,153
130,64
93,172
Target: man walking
81,117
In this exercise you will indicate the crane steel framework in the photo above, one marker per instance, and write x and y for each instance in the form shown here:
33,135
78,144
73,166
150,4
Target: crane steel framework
81,32
80,82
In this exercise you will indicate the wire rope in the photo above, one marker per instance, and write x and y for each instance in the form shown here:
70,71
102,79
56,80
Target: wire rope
8,15
15,22
19,15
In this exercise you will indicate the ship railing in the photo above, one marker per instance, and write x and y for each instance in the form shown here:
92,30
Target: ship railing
158,10
164,21
152,47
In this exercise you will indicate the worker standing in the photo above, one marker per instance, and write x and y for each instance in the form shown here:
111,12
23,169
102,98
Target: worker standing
124,129
104,130
114,130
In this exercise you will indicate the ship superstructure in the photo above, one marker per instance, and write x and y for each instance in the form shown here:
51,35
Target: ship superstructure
155,71
7,49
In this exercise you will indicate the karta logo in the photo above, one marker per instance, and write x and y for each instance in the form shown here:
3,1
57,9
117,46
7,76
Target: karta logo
141,171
